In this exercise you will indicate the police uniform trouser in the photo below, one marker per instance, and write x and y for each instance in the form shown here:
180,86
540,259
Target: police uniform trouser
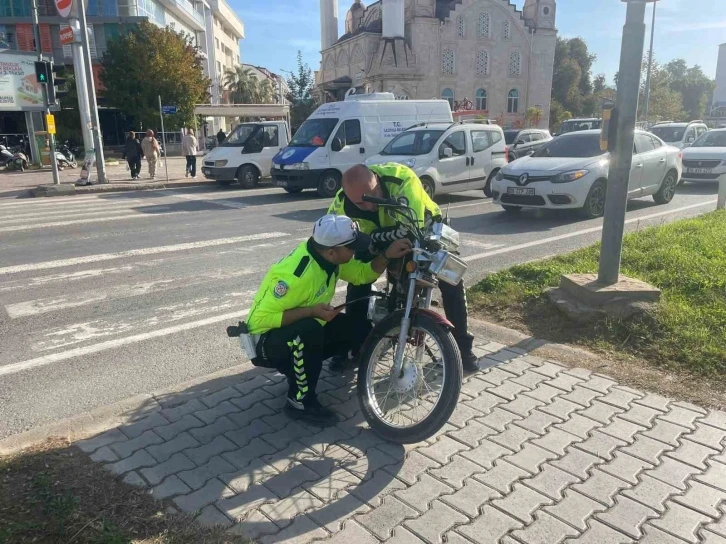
455,307
298,350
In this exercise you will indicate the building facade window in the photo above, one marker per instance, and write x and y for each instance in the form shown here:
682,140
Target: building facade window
482,63
515,63
513,101
448,95
481,99
460,27
507,30
483,25
448,62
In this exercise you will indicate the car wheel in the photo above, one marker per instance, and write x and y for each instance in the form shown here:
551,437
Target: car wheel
667,189
595,202
488,186
293,190
329,184
512,209
248,176
429,187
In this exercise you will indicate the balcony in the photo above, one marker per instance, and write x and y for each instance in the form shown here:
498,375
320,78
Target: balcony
185,12
229,19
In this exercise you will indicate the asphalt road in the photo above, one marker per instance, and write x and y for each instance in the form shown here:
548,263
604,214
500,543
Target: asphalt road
107,296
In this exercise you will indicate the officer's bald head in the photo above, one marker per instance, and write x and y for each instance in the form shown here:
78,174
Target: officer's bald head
359,181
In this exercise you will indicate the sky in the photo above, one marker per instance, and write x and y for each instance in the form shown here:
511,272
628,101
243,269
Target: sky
689,29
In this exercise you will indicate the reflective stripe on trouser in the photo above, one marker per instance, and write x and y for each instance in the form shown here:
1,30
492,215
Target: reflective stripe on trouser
298,367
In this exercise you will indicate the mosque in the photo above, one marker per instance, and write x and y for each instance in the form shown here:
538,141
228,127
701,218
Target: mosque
485,57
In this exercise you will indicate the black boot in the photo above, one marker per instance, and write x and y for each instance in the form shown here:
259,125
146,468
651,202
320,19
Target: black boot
311,411
468,360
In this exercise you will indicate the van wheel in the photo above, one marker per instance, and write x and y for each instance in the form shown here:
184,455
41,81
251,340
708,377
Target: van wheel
429,187
329,184
488,186
248,176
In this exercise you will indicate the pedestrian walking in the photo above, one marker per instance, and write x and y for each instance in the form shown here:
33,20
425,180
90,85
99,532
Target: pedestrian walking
132,154
151,150
220,136
189,150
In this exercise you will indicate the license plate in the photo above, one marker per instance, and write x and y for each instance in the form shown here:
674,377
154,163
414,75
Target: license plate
520,191
698,170
281,183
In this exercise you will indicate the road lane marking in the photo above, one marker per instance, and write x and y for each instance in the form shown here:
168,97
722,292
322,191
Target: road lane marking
481,202
26,218
30,203
127,217
224,202
551,239
136,252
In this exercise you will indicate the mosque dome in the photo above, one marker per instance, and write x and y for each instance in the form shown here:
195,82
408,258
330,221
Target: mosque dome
354,18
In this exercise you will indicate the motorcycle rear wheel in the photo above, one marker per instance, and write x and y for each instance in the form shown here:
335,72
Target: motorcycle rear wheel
395,416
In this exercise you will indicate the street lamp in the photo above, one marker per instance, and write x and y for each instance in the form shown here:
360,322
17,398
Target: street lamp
650,65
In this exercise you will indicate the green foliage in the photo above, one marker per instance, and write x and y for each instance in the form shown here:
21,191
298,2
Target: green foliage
147,62
685,259
68,119
692,84
301,85
245,88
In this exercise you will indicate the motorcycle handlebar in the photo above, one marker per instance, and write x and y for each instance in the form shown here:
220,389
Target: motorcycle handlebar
390,202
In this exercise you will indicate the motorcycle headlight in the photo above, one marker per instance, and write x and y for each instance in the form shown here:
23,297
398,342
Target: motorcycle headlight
220,164
567,177
499,176
409,162
300,166
448,268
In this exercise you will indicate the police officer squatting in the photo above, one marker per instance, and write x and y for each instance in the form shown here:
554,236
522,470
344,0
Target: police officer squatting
293,328
399,182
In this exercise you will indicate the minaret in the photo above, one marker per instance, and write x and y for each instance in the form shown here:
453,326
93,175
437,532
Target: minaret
328,23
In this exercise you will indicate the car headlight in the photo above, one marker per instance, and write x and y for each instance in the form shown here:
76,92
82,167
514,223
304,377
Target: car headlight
300,166
499,176
409,162
567,177
220,164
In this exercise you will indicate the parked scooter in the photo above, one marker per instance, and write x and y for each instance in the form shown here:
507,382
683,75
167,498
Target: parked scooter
5,156
18,162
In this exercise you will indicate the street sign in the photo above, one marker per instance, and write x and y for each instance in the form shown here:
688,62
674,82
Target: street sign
64,7
50,123
67,35
168,110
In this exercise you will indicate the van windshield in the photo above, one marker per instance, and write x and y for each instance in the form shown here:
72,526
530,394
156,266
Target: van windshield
239,135
576,126
416,142
313,133
669,134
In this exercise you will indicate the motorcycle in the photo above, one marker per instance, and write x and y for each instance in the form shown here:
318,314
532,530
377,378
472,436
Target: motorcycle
18,162
5,156
410,371
65,156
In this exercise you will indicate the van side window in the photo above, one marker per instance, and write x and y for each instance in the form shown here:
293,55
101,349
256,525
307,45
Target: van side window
456,142
349,132
481,140
270,137
496,137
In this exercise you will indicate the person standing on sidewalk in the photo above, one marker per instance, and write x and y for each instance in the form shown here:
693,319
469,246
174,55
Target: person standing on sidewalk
189,150
220,136
133,154
151,150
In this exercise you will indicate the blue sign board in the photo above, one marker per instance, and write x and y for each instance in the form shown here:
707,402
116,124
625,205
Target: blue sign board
168,110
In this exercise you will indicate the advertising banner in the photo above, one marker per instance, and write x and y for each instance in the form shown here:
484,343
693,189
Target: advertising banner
19,89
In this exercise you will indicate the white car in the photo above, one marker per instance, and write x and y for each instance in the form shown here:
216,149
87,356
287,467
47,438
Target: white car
449,157
572,172
705,160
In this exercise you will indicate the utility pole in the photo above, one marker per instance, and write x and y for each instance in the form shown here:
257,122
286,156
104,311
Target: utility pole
39,49
621,159
96,124
650,65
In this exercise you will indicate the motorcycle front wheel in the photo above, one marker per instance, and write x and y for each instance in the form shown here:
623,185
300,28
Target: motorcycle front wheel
414,405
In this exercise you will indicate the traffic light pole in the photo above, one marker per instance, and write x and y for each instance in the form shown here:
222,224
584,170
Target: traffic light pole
38,48
96,128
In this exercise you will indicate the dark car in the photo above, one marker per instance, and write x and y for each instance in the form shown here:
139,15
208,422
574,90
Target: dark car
522,143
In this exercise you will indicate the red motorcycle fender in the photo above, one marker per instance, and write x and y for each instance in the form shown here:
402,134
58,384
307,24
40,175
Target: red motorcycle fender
440,319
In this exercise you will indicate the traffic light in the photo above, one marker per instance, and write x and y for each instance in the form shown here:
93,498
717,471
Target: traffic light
56,82
42,72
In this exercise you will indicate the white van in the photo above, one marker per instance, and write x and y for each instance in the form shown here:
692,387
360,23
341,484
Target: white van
339,135
246,154
449,157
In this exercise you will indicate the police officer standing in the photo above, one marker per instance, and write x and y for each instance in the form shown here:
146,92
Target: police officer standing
400,182
291,312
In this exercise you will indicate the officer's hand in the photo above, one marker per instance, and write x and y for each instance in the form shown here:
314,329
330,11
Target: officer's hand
399,248
325,312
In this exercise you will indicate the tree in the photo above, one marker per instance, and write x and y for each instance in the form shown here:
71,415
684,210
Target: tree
300,97
246,88
68,119
572,87
533,116
665,103
694,86
147,62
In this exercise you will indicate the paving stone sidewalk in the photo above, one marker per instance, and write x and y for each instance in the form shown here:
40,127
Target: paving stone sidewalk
536,453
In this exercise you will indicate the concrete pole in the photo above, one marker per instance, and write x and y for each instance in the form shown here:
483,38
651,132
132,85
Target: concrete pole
82,89
96,124
621,160
721,202
650,66
51,137
34,151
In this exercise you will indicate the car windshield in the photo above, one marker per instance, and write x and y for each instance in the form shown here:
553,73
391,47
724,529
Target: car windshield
576,126
711,139
572,146
239,135
510,135
415,142
669,134
314,133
